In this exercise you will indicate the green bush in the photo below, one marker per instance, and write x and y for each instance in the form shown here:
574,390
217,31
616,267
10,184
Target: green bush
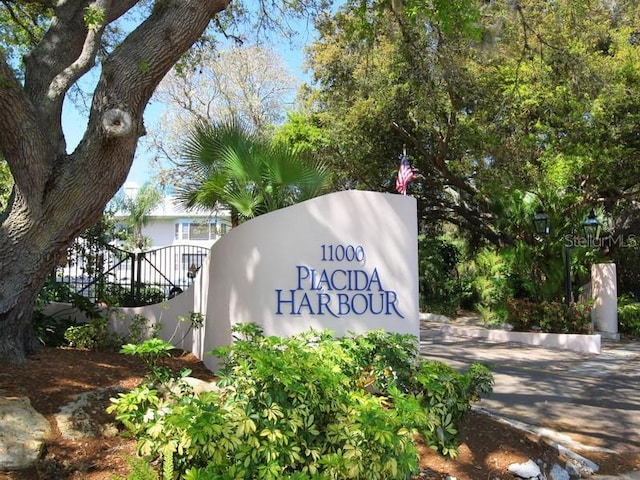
54,291
445,395
489,275
306,407
150,351
629,317
49,329
93,335
551,317
122,296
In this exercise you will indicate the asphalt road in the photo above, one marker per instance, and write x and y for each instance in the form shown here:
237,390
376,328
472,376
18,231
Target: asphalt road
591,401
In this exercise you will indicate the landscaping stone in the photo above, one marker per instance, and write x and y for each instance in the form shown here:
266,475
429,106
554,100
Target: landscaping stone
529,470
84,417
559,473
583,465
22,433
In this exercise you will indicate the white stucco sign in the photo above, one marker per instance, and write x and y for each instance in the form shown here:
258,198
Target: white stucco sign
346,261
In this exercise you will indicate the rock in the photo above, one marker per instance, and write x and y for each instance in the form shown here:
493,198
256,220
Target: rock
583,465
573,470
84,417
529,469
200,386
22,433
559,473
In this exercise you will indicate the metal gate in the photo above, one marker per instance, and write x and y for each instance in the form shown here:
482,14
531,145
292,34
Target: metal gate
107,274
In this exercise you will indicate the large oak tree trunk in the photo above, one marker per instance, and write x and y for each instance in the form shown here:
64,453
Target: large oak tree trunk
32,244
58,195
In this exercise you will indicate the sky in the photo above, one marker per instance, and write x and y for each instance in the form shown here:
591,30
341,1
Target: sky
74,120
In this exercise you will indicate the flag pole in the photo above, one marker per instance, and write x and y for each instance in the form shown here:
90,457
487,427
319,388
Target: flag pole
404,154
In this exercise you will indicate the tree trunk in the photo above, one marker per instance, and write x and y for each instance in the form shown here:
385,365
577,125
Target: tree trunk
18,338
32,245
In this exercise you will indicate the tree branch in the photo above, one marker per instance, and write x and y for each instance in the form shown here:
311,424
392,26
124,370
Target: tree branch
83,62
133,71
129,77
17,20
19,132
438,163
67,51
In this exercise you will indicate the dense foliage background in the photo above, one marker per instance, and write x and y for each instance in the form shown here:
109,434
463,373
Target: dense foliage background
505,110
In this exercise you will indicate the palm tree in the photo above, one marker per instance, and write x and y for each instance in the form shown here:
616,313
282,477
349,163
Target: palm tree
228,164
138,209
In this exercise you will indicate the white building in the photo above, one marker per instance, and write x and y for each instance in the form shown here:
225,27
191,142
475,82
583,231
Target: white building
172,224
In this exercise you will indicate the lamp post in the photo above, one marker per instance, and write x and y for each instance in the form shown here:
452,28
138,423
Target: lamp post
590,226
193,270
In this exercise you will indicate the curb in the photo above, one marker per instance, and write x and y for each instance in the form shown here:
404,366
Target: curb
565,341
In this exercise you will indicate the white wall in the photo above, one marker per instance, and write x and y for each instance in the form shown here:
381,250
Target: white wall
161,231
604,289
274,254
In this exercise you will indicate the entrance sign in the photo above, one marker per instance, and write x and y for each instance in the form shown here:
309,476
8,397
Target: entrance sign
346,261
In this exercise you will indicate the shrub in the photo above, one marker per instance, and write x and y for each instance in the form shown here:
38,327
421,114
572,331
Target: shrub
93,335
629,317
150,351
50,329
441,291
122,296
306,407
446,395
551,317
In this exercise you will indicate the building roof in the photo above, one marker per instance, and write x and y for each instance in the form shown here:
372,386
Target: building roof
170,207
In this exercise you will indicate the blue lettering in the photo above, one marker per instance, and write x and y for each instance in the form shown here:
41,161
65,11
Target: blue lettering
375,278
343,304
324,281
282,301
302,270
364,307
372,302
360,281
390,301
304,303
324,300
334,286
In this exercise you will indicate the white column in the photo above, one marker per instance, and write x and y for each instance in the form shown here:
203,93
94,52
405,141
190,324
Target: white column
605,293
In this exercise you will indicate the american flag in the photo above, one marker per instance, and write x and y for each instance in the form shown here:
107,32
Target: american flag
405,175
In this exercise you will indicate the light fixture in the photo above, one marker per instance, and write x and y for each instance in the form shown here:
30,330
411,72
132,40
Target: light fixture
591,226
541,223
193,270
